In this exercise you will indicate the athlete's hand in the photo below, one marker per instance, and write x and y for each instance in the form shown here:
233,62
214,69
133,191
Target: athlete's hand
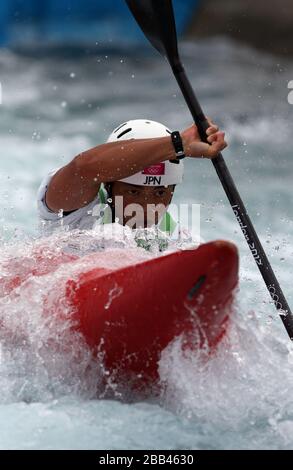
195,148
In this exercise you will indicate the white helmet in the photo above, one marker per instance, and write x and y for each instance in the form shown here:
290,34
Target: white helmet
160,174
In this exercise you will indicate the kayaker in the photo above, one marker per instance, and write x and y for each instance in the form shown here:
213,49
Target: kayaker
141,162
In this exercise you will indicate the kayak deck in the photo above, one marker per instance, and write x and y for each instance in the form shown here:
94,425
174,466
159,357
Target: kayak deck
129,315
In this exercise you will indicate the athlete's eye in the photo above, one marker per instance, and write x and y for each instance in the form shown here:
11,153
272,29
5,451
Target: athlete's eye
160,192
133,192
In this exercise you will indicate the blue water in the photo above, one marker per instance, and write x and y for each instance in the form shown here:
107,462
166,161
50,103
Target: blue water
59,102
72,20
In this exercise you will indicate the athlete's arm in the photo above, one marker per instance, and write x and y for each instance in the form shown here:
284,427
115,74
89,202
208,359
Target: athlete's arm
77,184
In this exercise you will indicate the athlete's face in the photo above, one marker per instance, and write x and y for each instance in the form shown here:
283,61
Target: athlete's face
142,206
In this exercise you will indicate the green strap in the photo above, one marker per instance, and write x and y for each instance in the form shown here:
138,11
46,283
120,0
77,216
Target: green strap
167,224
102,194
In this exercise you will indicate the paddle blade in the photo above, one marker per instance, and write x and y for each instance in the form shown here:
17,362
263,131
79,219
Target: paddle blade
156,19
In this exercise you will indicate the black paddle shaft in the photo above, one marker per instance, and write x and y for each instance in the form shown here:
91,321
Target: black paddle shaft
237,205
157,21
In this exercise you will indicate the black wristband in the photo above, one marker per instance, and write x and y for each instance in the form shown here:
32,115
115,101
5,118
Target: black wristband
178,146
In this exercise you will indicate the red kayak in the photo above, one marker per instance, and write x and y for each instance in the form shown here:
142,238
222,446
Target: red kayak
130,308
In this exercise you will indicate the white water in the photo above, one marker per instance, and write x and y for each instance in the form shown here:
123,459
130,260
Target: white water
54,106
